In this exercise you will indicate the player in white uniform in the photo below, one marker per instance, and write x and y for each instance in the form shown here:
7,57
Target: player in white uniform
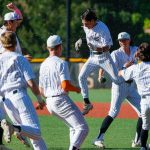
15,77
11,21
99,41
141,74
54,84
122,57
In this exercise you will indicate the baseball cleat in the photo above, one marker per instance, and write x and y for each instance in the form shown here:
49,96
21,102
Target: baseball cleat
23,140
99,143
87,108
135,144
2,147
8,130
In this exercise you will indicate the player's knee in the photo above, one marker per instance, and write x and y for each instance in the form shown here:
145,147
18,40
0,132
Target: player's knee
83,128
113,113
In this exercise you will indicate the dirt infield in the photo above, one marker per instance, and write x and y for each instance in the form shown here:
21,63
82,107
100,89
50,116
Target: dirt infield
100,110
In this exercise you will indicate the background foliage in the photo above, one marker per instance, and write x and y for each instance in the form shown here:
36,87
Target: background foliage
46,17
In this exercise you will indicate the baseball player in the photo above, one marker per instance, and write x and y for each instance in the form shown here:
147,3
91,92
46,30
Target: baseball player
11,21
99,42
54,84
122,57
141,74
15,77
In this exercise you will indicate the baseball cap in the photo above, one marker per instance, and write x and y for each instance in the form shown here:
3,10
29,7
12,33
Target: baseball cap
123,35
11,16
53,40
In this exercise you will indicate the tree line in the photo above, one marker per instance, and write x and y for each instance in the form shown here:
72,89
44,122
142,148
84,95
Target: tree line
46,17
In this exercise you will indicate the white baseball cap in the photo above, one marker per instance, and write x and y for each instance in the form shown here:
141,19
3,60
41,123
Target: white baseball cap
11,16
124,35
53,40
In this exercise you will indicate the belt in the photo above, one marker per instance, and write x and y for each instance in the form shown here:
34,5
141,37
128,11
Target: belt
97,52
14,92
57,95
129,81
144,96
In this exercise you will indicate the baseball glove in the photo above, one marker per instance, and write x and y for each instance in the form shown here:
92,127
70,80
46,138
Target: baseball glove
78,44
102,80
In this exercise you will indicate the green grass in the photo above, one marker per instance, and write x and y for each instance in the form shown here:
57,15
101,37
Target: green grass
56,134
95,95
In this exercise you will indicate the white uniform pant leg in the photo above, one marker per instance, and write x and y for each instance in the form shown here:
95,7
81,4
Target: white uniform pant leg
19,105
145,112
107,64
118,94
67,111
87,68
134,99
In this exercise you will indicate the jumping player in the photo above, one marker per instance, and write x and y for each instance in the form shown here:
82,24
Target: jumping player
122,57
140,73
99,42
54,84
15,77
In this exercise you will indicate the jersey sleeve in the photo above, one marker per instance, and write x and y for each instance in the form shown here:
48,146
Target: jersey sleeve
114,58
105,35
25,67
64,71
128,73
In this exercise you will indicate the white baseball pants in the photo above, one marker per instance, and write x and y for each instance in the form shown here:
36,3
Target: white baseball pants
121,92
63,107
96,62
145,112
22,113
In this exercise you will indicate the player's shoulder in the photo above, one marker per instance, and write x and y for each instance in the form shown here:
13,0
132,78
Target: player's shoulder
134,48
101,25
52,60
115,52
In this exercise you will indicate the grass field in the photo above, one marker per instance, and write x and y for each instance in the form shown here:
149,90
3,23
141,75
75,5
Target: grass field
56,134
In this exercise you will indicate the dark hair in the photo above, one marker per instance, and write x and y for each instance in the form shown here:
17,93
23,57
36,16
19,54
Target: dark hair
88,15
144,52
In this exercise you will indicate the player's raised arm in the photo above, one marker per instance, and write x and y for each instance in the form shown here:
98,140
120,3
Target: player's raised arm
11,6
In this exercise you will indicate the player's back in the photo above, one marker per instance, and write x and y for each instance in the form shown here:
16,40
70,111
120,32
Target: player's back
50,76
142,77
10,74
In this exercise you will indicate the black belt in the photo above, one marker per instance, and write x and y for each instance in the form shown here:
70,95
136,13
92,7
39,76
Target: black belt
129,81
144,96
97,52
14,92
56,95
